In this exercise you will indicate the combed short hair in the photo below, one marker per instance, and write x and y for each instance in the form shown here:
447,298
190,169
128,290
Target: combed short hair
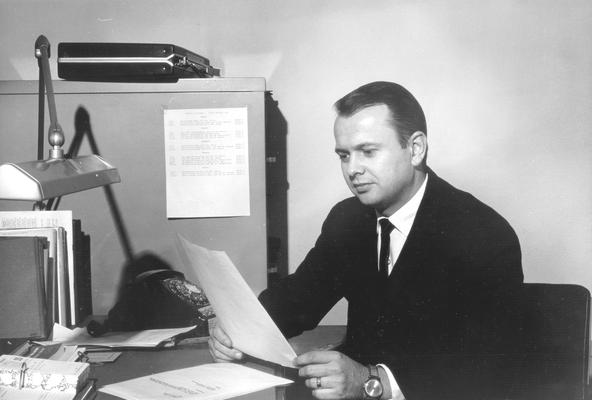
407,115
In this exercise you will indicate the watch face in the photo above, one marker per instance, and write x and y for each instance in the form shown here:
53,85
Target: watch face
373,388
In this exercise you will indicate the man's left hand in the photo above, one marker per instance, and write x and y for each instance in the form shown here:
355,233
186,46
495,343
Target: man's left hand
332,375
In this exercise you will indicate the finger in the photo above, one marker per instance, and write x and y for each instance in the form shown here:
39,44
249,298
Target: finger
220,335
324,394
220,352
221,343
316,357
217,357
222,357
326,382
231,353
314,370
216,354
319,382
313,383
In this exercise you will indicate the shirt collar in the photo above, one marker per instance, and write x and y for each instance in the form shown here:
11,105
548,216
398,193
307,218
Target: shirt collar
403,218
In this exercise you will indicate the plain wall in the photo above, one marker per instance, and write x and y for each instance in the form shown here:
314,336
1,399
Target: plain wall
506,87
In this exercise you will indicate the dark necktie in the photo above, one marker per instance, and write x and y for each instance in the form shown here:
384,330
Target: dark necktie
385,245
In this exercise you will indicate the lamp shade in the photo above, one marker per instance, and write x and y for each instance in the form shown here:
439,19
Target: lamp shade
41,180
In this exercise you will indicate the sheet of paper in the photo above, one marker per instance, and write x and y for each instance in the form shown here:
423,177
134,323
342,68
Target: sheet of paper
236,307
67,353
101,357
146,338
204,382
50,351
50,219
28,394
207,162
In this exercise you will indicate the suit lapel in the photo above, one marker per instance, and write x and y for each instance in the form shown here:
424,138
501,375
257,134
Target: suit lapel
423,226
362,248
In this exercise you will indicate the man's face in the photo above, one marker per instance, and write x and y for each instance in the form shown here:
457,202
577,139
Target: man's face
376,168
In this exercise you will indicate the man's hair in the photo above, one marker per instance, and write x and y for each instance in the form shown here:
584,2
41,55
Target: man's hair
407,115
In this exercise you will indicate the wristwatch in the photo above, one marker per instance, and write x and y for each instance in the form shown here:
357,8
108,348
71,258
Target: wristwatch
373,386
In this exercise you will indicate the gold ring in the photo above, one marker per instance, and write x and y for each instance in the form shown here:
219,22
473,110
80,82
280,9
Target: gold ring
318,382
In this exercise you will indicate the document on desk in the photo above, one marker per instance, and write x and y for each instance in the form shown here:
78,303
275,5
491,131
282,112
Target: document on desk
237,309
145,338
204,382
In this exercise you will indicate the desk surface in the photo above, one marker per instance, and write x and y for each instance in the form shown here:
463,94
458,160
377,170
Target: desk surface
135,363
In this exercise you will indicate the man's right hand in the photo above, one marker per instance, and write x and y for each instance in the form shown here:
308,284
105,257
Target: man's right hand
221,346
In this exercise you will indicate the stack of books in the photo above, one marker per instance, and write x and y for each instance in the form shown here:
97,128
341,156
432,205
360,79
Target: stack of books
45,264
35,378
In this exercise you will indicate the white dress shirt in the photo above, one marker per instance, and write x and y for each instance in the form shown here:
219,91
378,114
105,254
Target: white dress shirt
402,219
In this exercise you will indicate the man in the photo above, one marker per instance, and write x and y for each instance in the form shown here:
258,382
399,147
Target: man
417,296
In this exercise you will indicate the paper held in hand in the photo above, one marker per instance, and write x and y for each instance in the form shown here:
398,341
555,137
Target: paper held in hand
237,309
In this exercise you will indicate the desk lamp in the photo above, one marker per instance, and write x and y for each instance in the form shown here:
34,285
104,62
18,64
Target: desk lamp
58,175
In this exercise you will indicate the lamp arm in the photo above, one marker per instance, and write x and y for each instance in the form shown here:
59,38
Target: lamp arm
40,115
55,133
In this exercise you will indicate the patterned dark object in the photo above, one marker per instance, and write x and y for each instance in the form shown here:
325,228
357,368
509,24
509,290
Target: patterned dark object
156,297
190,294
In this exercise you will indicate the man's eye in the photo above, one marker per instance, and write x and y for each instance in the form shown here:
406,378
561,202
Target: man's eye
369,152
342,156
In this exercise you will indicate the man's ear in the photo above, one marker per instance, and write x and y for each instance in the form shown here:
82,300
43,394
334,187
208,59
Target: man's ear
418,143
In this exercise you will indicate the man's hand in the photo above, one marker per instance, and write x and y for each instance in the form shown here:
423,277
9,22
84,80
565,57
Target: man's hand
221,346
332,375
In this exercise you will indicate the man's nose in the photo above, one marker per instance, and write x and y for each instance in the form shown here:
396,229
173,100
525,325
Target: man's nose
354,166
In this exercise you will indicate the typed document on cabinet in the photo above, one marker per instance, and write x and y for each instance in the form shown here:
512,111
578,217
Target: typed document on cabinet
207,162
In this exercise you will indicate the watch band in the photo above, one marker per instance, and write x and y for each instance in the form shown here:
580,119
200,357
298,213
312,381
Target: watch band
373,388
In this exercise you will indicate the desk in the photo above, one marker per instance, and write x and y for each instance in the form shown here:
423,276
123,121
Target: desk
136,363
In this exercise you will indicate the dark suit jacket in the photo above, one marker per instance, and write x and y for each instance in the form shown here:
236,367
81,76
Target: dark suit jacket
428,322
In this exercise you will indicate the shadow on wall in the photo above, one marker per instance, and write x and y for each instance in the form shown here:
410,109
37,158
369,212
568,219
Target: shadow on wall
141,303
126,314
276,131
